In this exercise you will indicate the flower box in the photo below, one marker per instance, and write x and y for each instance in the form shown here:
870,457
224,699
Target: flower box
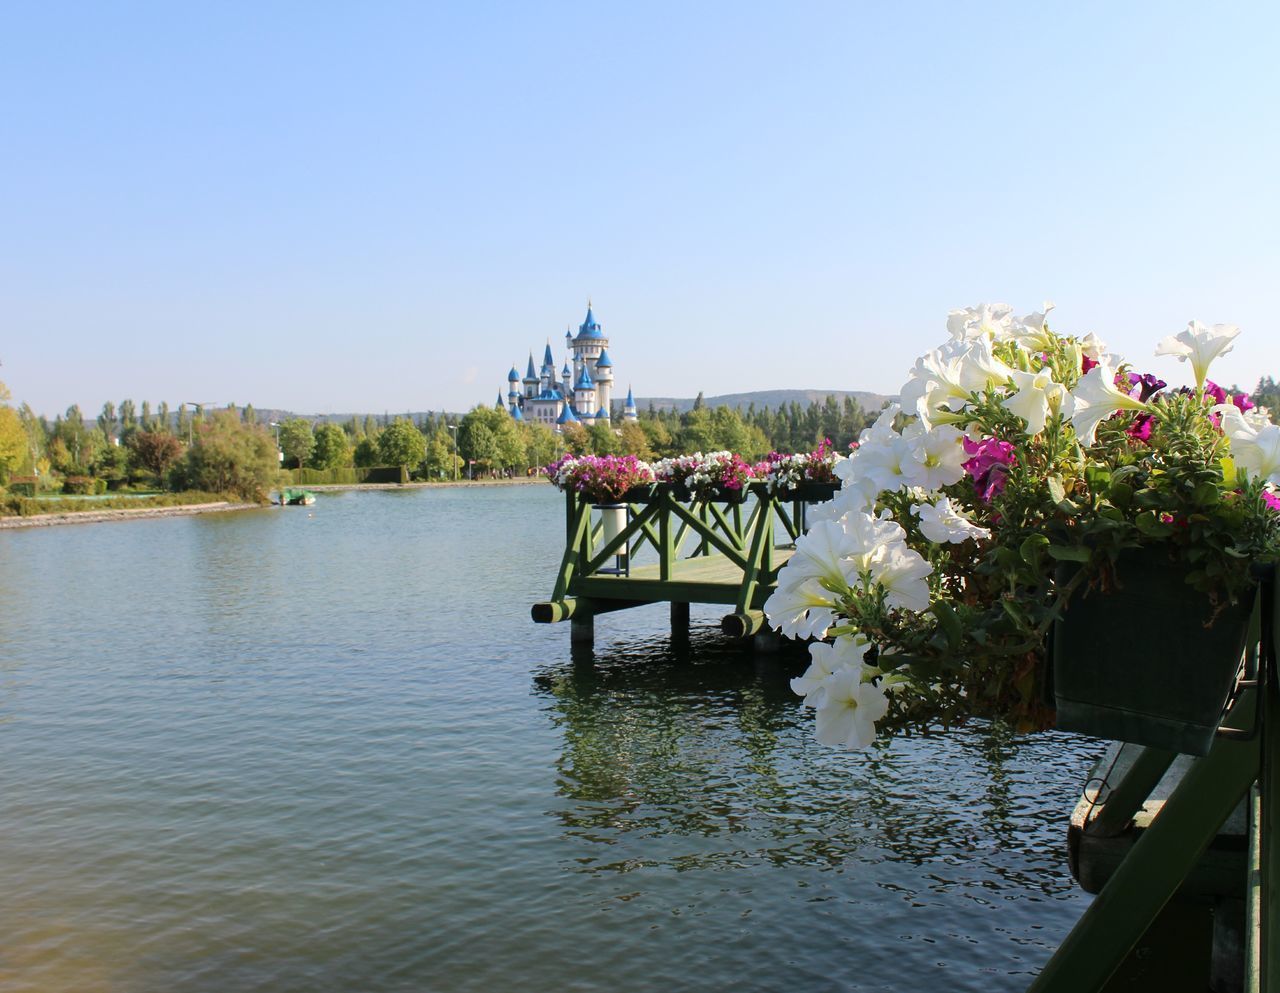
809,491
1147,661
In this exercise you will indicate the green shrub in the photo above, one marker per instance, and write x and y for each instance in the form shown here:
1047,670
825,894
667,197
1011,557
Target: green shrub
78,485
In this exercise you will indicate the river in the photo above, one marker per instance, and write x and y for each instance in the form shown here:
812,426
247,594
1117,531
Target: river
325,749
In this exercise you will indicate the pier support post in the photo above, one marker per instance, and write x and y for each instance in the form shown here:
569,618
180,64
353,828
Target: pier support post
582,628
679,619
767,641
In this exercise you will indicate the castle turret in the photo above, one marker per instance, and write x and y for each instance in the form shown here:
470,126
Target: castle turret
604,384
531,380
584,395
629,411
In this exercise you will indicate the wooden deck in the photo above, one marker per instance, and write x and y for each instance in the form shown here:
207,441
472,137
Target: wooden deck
705,579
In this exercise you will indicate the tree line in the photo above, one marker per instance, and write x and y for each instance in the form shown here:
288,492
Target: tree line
230,449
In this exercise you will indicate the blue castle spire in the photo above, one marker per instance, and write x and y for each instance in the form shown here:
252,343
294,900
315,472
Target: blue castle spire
631,401
590,328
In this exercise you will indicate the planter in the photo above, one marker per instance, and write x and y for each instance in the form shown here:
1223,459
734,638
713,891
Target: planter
723,494
613,518
644,493
679,490
1139,664
809,491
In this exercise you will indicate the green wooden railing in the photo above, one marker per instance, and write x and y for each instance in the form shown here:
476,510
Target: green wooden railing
1243,761
679,529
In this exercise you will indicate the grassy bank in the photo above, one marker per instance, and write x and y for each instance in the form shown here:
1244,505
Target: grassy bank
20,506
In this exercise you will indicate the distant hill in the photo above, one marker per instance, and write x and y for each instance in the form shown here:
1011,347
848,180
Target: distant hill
773,399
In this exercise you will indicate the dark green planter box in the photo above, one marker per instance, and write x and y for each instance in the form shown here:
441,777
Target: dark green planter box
1138,664
810,492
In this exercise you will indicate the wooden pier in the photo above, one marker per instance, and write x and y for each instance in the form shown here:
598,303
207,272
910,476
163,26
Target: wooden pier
672,548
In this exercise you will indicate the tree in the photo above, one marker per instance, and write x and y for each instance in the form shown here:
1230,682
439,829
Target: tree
229,456
331,450
297,441
603,440
634,441
440,461
575,438
107,419
13,437
401,444
539,444
154,451
365,454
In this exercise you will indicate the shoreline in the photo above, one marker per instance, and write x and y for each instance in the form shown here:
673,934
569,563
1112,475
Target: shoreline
121,514
331,487
186,510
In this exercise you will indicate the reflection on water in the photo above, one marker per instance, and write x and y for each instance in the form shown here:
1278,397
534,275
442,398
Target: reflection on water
703,758
327,751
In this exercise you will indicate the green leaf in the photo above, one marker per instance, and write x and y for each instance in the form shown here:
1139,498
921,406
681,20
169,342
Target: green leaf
1056,493
949,623
1032,550
1070,553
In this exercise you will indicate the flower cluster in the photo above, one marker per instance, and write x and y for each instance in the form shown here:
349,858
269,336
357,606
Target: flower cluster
1016,466
599,478
705,474
786,472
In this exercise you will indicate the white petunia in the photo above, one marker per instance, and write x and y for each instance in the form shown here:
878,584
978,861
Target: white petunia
1200,345
824,553
1032,332
802,610
940,522
1254,448
980,369
1096,398
986,320
935,382
935,456
847,653
902,572
1038,397
849,710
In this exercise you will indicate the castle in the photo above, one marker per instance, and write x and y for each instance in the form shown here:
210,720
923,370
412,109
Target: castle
583,391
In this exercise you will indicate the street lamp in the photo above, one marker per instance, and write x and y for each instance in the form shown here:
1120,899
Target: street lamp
279,450
454,429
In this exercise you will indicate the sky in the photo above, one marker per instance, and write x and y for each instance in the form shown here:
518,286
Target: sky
331,207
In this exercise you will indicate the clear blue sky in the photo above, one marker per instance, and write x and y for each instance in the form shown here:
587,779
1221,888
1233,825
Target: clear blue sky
329,207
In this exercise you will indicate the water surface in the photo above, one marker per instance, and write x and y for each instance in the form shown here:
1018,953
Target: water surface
314,749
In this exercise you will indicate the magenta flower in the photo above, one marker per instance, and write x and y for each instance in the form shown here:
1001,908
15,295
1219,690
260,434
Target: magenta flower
1271,500
1243,402
1086,364
1148,385
989,466
1214,392
1140,429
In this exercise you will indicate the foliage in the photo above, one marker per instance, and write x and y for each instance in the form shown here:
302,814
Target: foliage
297,441
786,472
1015,449
13,440
365,454
401,444
331,450
155,451
229,456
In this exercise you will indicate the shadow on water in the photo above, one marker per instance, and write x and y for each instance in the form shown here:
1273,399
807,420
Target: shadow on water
697,755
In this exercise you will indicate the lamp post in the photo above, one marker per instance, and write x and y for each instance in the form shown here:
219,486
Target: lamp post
453,428
279,451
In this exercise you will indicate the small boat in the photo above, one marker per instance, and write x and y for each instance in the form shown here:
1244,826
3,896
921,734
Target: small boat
296,498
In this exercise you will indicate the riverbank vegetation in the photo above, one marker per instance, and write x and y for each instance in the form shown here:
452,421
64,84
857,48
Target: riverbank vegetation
132,451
